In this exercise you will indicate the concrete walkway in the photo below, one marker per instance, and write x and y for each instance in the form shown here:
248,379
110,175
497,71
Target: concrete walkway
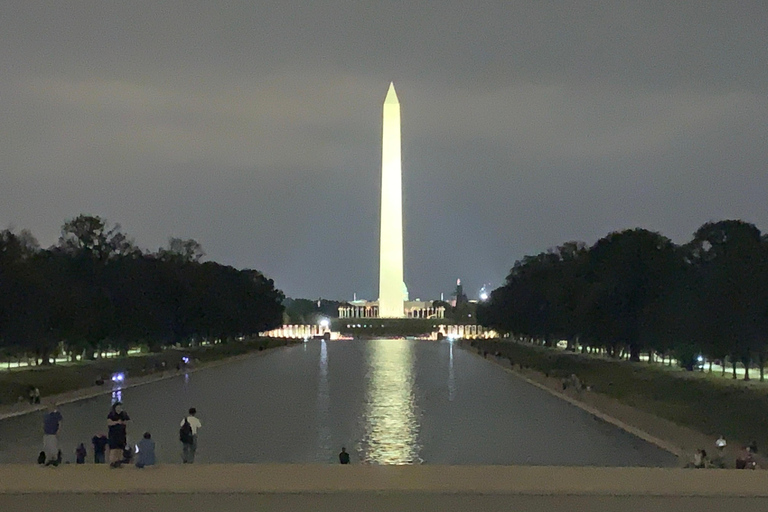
321,479
316,487
400,502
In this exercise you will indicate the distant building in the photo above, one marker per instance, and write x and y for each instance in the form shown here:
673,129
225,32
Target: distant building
411,309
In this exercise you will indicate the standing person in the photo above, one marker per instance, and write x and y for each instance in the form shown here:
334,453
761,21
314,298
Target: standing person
721,444
188,436
116,422
146,451
99,448
51,428
344,456
80,454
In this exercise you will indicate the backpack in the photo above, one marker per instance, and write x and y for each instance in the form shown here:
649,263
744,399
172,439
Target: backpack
185,432
41,458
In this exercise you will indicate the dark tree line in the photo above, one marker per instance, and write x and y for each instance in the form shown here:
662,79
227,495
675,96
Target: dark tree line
636,292
95,290
306,311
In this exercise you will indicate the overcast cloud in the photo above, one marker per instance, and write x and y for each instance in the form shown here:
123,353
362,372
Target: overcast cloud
254,127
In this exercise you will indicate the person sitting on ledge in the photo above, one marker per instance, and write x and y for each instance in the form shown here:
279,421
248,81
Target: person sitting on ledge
745,459
344,456
700,459
146,451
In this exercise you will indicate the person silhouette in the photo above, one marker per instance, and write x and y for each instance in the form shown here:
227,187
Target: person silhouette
344,456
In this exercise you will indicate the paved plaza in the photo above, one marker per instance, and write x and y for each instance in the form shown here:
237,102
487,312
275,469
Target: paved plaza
316,487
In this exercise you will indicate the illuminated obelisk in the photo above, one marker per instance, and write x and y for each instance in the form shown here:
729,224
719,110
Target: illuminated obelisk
391,283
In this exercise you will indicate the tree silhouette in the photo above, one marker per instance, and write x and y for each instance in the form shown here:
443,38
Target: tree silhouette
96,290
635,291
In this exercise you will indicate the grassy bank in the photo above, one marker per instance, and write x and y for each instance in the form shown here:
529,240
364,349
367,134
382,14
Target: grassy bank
712,406
55,379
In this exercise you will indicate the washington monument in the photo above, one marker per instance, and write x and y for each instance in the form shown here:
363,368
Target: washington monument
393,294
391,284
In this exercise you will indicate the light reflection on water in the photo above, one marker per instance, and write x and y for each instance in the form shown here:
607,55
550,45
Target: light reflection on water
323,405
391,422
451,376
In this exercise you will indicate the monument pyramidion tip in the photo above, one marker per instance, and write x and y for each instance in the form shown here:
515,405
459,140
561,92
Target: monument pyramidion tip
391,94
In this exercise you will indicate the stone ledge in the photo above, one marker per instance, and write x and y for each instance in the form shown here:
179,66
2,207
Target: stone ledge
320,479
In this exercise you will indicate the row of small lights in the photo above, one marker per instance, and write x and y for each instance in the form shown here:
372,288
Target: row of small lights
119,377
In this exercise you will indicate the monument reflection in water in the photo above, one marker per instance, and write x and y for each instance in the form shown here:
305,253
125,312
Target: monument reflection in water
323,405
391,419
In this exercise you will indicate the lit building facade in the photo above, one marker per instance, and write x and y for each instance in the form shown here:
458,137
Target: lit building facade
411,309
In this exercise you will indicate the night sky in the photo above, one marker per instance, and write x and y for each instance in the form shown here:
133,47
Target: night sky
254,127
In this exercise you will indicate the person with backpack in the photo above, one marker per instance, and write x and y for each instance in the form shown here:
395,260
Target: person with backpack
188,436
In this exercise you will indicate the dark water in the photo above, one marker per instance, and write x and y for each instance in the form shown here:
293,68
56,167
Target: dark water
387,401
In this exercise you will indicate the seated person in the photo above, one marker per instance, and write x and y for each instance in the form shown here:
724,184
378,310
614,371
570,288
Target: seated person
700,459
145,456
127,455
745,459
